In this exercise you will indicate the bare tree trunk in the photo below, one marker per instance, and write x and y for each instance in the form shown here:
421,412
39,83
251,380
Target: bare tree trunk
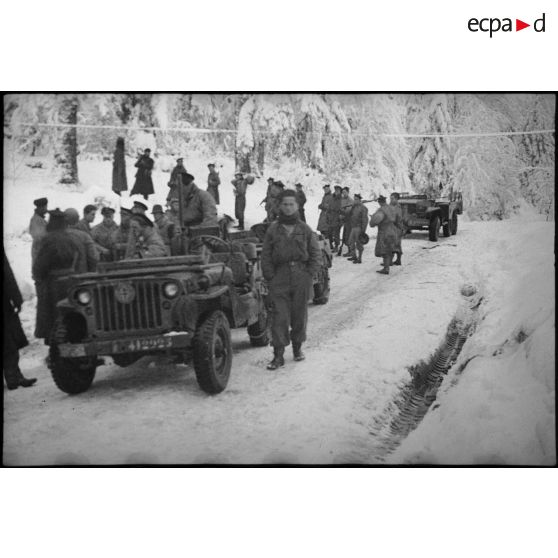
66,158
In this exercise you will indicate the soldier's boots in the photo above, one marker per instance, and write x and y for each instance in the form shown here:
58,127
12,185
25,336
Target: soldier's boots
385,270
297,352
358,259
347,255
22,381
278,359
340,250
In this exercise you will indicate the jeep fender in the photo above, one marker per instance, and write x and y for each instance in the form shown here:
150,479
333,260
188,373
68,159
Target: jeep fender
433,212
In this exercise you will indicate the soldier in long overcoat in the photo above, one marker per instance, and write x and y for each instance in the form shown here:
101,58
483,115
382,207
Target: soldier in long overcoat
144,183
14,337
358,221
290,258
56,260
38,226
334,218
176,178
400,225
386,241
346,204
213,182
323,225
119,180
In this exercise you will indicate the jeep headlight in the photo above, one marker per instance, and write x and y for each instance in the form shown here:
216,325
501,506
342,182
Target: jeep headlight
83,296
170,290
204,282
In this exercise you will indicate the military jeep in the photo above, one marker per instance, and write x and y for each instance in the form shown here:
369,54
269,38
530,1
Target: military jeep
181,306
423,213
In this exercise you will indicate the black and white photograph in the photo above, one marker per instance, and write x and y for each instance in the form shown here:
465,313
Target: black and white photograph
279,279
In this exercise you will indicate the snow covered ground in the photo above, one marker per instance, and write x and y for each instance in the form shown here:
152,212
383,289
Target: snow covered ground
330,408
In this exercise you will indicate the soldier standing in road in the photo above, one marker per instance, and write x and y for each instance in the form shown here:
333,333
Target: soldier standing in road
240,186
89,213
14,337
38,226
102,233
144,183
358,221
323,207
334,218
400,226
301,201
346,204
213,182
290,258
384,219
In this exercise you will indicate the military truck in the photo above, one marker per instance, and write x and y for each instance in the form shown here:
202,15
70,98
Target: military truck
423,213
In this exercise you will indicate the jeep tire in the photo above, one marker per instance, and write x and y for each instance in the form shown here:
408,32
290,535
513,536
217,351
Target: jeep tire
434,229
446,228
71,375
321,289
259,331
213,352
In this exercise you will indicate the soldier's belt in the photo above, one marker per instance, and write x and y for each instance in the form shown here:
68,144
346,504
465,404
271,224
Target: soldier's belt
293,264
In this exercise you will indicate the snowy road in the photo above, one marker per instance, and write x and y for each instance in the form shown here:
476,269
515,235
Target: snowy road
330,408
153,411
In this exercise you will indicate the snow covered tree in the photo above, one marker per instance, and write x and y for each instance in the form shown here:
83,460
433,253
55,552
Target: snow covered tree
66,156
431,161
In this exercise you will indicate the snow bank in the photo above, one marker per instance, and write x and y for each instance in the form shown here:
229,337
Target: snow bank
497,404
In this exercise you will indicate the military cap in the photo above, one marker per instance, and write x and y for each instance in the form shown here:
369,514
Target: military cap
40,202
298,184
270,179
381,199
239,173
337,187
279,183
180,159
211,164
125,211
140,205
143,220
396,195
157,209
359,196
107,211
345,188
325,186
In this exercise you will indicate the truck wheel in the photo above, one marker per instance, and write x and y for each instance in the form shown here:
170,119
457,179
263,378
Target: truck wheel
259,331
454,223
321,289
71,375
434,229
213,353
124,360
447,228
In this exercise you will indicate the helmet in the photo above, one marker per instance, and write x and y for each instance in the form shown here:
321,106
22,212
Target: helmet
364,238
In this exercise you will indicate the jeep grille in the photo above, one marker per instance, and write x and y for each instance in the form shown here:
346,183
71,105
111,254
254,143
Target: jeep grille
144,312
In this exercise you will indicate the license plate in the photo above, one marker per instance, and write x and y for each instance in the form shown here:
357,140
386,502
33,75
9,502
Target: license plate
68,350
135,345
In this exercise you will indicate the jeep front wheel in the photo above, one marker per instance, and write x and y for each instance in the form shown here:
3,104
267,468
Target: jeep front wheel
454,223
434,229
213,353
71,375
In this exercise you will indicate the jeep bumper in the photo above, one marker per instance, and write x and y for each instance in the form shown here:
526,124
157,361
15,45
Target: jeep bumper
144,344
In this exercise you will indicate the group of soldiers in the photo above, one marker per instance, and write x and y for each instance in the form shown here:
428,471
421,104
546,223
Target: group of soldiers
344,219
67,244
